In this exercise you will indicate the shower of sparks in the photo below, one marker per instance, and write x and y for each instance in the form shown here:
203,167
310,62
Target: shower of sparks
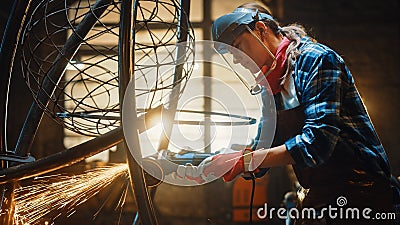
52,196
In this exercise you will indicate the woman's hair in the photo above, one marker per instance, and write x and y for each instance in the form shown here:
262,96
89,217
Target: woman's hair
293,32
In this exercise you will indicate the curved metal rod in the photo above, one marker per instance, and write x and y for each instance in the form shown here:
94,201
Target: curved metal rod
246,119
8,49
146,211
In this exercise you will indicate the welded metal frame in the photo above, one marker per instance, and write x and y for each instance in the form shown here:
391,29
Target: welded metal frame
8,175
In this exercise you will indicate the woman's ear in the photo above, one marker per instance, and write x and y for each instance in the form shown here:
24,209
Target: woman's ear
261,29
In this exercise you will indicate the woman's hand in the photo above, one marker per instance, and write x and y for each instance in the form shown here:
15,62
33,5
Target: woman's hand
228,164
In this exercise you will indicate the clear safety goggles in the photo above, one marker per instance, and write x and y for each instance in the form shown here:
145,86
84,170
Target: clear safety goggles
253,80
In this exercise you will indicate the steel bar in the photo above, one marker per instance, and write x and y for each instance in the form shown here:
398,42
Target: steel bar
63,158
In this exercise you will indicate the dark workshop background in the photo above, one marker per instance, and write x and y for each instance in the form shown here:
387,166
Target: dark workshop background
364,32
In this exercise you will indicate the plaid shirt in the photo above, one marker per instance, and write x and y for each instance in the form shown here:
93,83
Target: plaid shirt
334,111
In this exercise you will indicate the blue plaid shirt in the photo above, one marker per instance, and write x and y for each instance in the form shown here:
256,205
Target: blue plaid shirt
334,111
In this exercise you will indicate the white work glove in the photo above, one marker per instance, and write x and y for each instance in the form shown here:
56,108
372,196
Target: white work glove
210,168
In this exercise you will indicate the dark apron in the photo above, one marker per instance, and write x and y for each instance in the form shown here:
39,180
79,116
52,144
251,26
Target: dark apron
342,175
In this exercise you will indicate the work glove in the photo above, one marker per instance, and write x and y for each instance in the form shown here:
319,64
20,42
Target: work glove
227,163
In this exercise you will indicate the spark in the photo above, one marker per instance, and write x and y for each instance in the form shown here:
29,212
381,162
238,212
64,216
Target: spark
53,196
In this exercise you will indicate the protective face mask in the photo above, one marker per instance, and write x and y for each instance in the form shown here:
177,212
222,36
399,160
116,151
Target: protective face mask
249,80
255,87
259,78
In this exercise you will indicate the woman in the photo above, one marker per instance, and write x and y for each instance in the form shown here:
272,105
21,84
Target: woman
335,151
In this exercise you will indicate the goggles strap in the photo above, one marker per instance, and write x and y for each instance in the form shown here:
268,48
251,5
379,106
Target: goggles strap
273,65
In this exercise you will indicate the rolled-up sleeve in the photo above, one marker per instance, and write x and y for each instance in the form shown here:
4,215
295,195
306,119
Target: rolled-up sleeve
321,94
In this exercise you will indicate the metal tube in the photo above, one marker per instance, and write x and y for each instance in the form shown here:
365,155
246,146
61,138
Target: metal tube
63,158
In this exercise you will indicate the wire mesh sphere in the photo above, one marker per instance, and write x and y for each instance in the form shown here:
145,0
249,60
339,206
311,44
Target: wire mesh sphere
69,52
160,62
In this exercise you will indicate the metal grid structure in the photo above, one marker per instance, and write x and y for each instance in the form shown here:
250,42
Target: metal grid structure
86,99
